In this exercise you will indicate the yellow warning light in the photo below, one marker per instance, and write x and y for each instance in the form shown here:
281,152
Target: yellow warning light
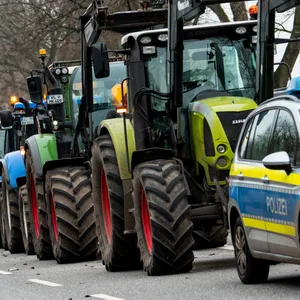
22,150
13,100
116,92
43,52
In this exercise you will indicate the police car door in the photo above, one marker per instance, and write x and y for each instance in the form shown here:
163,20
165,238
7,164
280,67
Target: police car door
249,172
279,195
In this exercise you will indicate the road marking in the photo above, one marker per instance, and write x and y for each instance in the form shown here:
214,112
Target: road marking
45,282
106,297
227,247
5,273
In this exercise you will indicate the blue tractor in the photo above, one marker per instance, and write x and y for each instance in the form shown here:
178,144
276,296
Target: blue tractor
17,125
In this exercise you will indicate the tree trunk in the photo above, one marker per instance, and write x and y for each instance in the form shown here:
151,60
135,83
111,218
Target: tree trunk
219,11
290,56
239,11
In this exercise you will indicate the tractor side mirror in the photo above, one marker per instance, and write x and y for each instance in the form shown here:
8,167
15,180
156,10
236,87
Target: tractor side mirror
34,84
6,118
100,60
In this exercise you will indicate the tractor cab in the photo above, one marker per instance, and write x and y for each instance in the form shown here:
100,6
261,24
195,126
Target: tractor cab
219,69
103,103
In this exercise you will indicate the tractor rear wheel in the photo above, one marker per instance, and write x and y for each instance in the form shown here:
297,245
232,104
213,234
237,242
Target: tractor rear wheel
213,237
37,212
11,217
26,226
82,189
70,215
119,251
162,219
2,227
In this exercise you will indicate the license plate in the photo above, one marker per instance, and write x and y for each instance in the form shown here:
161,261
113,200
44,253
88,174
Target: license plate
55,99
27,121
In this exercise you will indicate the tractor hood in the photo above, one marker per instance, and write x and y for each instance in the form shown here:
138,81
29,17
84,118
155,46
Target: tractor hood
222,104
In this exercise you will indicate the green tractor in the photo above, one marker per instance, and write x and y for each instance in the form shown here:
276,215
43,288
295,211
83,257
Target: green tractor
61,211
159,173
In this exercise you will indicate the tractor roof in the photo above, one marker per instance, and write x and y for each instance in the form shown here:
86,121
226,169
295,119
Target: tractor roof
137,34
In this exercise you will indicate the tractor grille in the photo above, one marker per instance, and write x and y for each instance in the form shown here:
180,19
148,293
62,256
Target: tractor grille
232,125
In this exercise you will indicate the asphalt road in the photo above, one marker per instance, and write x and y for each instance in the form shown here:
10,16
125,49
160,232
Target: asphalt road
213,277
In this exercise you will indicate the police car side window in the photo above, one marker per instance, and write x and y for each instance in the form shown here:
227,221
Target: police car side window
285,136
261,136
245,139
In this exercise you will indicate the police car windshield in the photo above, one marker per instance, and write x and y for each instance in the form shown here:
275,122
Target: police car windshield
218,63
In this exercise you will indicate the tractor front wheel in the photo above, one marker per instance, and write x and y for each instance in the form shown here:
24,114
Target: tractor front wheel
37,212
119,251
26,226
11,217
211,237
162,219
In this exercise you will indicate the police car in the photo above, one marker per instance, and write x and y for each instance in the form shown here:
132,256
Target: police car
264,187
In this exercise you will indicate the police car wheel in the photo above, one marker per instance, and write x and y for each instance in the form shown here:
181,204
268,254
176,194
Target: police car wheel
250,269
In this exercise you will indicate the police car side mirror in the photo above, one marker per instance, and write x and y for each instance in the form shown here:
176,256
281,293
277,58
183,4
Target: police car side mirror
278,161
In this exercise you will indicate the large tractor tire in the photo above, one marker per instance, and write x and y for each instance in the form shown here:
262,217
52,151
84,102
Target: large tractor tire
11,218
162,219
26,226
2,226
82,189
66,200
212,237
37,212
119,251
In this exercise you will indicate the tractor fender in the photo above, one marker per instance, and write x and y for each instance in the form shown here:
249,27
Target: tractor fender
43,148
115,128
14,167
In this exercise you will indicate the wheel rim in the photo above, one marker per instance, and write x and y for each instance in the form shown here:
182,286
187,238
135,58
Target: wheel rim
24,219
240,243
34,207
106,207
146,221
53,217
8,209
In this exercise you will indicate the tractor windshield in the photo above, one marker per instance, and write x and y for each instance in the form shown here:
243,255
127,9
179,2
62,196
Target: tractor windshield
217,63
103,101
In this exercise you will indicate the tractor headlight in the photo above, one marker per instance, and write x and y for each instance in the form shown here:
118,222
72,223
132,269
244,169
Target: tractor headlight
241,30
22,150
57,71
163,37
55,125
221,149
145,40
64,79
254,28
64,71
222,162
149,50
